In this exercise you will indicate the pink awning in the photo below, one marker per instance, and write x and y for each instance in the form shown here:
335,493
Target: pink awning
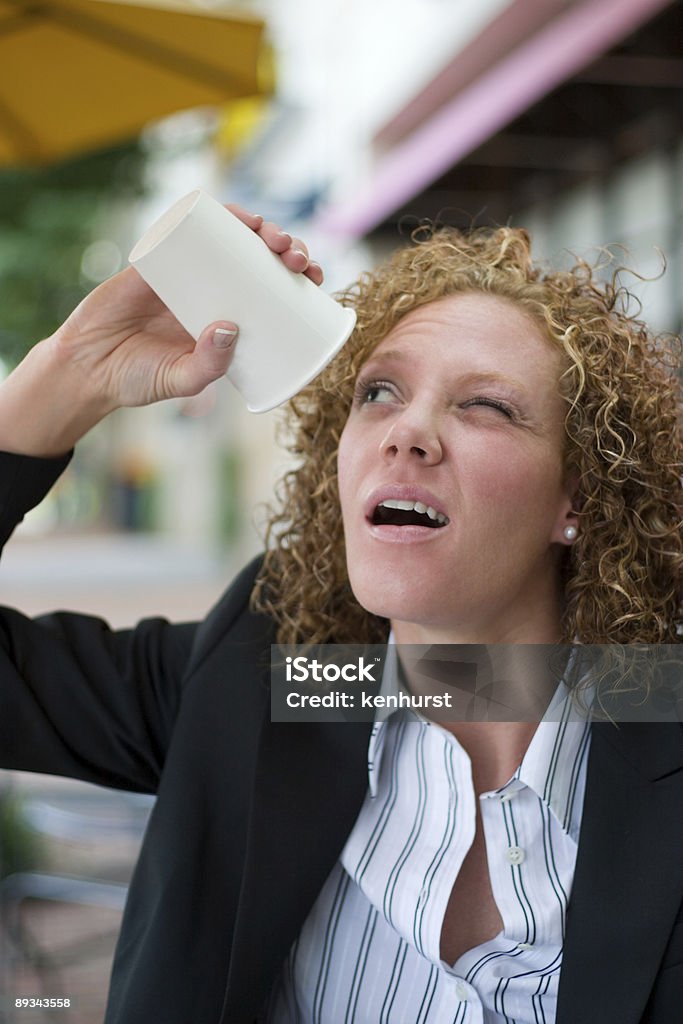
560,49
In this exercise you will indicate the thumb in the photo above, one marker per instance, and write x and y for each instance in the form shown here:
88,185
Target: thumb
209,360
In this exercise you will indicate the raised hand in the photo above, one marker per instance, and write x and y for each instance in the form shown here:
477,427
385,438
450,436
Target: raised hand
130,350
121,347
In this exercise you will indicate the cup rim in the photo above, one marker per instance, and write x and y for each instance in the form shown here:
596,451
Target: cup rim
164,225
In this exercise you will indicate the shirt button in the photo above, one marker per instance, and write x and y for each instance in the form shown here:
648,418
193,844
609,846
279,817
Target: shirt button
524,945
422,898
515,854
461,991
510,795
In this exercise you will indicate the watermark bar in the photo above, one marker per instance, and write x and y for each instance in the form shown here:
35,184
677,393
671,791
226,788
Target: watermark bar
450,683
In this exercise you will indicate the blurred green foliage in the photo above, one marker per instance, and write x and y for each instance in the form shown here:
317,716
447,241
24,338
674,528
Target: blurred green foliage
47,220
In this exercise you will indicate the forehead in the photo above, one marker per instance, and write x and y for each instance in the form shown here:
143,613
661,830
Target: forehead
487,331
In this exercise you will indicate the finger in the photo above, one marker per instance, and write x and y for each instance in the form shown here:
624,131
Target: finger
252,220
293,250
315,272
296,257
274,237
209,360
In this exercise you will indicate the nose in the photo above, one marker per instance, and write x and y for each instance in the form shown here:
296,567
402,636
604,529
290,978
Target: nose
414,436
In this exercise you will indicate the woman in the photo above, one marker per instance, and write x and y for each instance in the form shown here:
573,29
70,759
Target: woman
503,449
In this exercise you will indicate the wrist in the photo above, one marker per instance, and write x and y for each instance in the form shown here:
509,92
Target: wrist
46,405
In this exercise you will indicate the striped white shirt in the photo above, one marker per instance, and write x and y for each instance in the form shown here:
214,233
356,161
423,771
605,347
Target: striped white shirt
369,950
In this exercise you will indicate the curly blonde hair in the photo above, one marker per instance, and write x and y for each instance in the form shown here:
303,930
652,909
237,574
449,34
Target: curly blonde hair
622,576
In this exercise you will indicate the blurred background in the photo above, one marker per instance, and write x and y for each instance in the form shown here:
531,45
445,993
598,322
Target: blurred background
349,123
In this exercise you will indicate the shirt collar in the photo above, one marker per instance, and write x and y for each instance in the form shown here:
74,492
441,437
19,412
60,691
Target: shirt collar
389,684
550,766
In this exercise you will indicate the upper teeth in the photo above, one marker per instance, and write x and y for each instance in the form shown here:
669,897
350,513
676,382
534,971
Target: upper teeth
417,506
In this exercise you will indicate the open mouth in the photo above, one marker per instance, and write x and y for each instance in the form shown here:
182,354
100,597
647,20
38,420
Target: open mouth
394,512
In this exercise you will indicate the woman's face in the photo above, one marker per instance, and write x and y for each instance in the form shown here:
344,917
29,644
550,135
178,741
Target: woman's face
457,418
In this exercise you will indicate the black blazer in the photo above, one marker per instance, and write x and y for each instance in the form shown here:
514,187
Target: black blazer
251,816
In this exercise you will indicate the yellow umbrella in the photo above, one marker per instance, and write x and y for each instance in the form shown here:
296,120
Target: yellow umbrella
77,75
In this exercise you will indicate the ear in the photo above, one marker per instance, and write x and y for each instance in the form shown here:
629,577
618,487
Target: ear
566,527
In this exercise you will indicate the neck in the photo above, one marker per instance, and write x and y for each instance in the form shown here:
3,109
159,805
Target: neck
545,628
530,615
497,692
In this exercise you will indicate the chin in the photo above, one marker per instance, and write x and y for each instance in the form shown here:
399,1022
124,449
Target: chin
397,599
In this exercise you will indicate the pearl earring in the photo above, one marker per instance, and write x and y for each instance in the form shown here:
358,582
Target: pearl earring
570,533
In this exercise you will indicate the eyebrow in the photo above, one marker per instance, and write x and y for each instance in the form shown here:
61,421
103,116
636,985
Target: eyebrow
474,377
494,378
391,353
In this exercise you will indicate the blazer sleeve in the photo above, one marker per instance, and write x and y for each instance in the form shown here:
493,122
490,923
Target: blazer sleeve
76,697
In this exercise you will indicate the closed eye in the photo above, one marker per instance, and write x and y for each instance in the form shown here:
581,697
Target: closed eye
492,403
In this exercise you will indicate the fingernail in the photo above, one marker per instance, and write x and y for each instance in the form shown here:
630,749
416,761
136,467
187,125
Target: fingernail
223,337
299,252
284,234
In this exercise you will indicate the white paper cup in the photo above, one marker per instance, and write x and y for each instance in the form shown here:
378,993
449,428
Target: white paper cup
206,265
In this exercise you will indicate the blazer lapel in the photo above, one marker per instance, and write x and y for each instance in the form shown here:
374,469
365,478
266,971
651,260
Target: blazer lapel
628,882
310,782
